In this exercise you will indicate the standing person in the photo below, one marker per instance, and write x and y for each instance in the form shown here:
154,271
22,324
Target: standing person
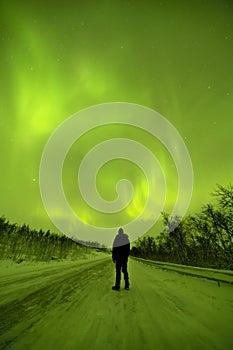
120,253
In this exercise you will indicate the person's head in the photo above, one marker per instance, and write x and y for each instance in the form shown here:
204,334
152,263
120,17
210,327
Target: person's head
120,231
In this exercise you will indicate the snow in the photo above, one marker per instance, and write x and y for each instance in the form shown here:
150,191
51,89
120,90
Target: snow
71,306
209,273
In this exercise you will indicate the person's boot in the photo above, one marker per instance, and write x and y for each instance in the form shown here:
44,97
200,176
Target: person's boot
127,286
115,288
127,282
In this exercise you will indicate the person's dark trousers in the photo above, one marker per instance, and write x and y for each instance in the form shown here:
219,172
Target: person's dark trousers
121,265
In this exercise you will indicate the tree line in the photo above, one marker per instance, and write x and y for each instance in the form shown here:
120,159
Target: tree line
21,243
203,239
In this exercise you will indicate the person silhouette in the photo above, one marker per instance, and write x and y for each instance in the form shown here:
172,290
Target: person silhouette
120,254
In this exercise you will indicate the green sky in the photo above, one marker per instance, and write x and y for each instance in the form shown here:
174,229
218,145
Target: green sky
56,59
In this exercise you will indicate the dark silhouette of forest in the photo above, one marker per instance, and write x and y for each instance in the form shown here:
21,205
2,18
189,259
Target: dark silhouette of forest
204,239
20,243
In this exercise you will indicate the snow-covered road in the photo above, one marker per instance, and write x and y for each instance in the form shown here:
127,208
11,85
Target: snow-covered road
73,307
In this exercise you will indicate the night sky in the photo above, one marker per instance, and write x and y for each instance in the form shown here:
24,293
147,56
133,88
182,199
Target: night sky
56,59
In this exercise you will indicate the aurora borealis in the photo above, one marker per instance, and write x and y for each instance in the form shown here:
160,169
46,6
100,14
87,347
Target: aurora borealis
172,56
